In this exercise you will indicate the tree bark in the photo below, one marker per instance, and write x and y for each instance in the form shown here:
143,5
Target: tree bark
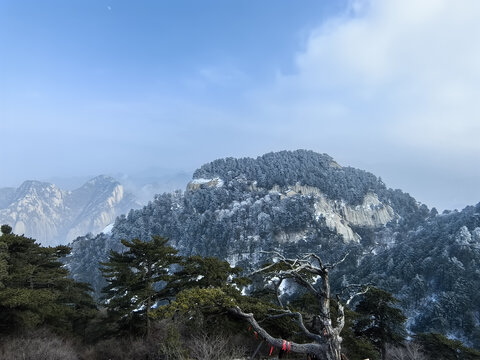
325,338
330,349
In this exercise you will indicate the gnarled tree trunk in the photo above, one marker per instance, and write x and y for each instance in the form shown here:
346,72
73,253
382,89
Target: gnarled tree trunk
325,340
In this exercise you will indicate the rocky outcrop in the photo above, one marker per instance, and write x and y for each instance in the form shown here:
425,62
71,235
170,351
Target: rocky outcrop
340,216
37,210
196,184
106,202
54,216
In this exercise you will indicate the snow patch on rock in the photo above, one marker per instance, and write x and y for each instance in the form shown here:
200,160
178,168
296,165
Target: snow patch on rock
199,183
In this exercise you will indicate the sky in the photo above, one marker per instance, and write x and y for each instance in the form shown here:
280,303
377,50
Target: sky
92,87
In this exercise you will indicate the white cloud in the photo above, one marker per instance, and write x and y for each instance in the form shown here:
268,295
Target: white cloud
406,70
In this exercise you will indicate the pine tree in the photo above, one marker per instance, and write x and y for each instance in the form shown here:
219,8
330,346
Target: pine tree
202,289
437,346
205,272
4,256
137,281
35,289
381,322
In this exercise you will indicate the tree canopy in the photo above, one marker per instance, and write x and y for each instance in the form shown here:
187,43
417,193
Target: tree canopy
380,321
137,280
35,288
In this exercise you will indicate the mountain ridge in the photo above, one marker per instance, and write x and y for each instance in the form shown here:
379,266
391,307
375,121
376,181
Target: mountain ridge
54,216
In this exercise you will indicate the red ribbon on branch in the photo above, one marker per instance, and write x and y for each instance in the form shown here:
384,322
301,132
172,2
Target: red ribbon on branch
286,346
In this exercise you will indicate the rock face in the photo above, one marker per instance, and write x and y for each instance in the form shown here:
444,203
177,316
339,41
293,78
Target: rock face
196,184
54,216
341,217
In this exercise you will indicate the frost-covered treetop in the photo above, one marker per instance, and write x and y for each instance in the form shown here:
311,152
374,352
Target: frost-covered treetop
286,168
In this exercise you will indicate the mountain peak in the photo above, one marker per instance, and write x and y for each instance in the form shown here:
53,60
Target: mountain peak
34,184
289,168
38,189
102,180
52,215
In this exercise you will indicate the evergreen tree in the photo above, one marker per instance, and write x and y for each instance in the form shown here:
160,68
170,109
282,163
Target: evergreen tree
35,289
205,272
202,289
438,347
4,256
137,281
381,322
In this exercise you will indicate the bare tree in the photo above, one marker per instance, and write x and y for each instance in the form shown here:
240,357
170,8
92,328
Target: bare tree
410,351
323,333
214,347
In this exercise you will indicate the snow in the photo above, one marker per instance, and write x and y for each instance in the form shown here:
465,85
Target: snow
140,308
108,229
286,288
201,181
216,181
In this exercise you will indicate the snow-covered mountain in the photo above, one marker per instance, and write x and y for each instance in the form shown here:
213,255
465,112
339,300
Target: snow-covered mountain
297,202
237,208
54,216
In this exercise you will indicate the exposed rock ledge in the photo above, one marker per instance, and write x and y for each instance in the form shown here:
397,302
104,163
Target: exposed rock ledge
196,184
340,216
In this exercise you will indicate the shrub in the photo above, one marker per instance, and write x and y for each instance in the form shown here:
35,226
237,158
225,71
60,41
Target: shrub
37,345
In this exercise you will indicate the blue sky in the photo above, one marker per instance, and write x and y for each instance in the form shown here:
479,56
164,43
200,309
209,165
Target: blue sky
107,86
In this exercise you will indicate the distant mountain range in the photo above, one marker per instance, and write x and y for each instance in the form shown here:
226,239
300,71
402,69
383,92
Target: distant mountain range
54,216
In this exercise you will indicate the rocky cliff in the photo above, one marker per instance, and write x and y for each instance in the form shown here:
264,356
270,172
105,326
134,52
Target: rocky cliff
54,216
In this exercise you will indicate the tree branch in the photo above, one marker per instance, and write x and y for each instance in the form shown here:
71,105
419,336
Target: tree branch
331,266
316,257
311,348
303,271
262,269
299,321
277,291
357,294
341,309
